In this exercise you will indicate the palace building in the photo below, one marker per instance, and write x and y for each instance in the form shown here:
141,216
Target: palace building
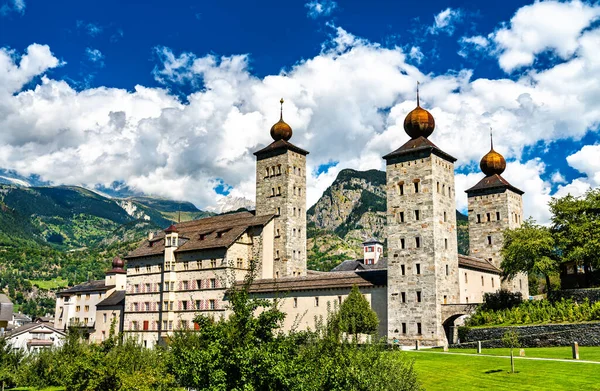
417,291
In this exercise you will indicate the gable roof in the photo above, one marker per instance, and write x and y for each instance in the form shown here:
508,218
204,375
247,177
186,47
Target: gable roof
324,280
492,182
116,298
478,264
277,148
207,233
418,146
31,327
90,286
358,264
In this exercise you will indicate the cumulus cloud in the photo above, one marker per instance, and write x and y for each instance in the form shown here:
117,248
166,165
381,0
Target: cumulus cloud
416,54
347,103
16,6
321,8
474,43
545,26
445,21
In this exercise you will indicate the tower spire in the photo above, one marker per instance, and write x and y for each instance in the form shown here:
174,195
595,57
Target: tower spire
491,139
418,103
281,109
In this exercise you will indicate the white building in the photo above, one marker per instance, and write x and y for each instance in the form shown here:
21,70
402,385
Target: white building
35,336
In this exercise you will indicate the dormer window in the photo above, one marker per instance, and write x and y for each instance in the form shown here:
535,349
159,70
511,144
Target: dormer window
202,236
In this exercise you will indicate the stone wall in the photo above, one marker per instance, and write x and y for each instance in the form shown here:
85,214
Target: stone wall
577,295
586,334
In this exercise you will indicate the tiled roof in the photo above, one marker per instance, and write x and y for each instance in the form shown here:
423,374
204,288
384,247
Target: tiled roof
211,232
357,264
32,326
492,182
418,145
477,264
320,281
116,298
278,147
4,299
90,286
371,240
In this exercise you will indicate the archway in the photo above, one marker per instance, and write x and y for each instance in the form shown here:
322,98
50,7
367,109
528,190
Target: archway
451,329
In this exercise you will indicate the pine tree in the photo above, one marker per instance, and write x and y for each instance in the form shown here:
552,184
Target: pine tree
356,316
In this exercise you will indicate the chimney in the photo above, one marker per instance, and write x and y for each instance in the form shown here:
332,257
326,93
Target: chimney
150,235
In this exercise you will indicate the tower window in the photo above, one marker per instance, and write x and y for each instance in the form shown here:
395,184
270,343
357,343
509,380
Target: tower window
272,192
278,190
295,302
403,269
447,271
482,281
417,215
299,191
416,187
489,240
294,212
489,218
446,244
418,296
438,187
444,189
418,242
278,213
401,217
445,217
401,189
418,328
492,282
402,244
466,278
498,216
267,173
272,171
403,297
445,299
316,301
418,268
403,328
279,169
294,191
479,218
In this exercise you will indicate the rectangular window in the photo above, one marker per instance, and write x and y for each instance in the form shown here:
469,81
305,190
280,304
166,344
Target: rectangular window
170,306
402,244
446,244
498,216
148,269
186,265
438,187
295,302
165,325
418,296
186,285
77,308
136,288
148,288
339,299
466,278
489,239
418,242
417,215
447,271
165,306
445,299
170,325
416,187
316,301
146,325
419,328
403,328
87,308
184,305
211,304
445,217
482,283
488,217
403,269
104,318
402,217
418,268
403,296
213,263
198,303
479,218
146,306
492,282
136,307
401,189
240,263
135,324
213,283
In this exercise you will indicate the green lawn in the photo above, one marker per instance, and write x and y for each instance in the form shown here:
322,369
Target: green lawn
588,353
438,371
50,284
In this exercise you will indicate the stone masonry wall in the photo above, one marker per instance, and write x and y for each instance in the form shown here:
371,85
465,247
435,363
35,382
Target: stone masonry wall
586,334
577,295
281,189
429,269
490,213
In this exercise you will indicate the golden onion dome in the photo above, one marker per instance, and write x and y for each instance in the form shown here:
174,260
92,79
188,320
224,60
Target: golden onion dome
493,162
419,122
281,130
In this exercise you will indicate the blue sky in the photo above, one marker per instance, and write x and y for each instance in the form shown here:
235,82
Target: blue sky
171,99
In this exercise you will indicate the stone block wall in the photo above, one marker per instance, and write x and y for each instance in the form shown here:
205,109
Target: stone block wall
577,295
281,190
586,334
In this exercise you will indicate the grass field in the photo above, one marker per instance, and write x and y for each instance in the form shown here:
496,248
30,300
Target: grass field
50,284
587,353
439,371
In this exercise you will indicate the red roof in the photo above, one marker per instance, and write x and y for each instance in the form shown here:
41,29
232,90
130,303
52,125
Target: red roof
171,228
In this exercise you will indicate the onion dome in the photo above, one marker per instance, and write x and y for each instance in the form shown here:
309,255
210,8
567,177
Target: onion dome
118,263
281,130
492,163
171,228
419,122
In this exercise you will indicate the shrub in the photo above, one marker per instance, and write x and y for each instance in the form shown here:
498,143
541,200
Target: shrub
503,299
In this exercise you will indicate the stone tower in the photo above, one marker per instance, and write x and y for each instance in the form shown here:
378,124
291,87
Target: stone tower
422,244
281,190
494,205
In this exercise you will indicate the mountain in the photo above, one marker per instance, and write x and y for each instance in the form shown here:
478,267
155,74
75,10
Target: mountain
230,203
350,211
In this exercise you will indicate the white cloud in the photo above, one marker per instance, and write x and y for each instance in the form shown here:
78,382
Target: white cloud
347,103
95,55
557,177
445,21
474,43
17,6
91,29
587,161
543,26
416,54
318,8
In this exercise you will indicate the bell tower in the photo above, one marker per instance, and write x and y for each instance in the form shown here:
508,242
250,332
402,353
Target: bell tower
494,205
281,190
422,243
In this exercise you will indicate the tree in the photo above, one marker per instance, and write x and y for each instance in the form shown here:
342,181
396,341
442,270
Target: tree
356,316
9,362
530,248
510,339
576,227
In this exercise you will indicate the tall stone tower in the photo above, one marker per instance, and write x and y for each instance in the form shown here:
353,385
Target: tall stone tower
281,190
421,223
494,205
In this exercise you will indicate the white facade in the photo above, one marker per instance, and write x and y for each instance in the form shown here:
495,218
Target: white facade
36,336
